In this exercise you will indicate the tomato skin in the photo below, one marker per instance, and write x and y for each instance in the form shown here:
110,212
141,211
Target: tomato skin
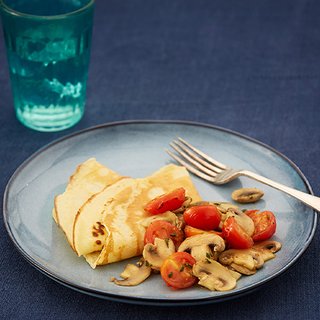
204,217
265,224
163,230
166,202
191,231
251,213
176,270
235,236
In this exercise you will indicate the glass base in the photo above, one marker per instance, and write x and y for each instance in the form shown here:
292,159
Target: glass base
49,119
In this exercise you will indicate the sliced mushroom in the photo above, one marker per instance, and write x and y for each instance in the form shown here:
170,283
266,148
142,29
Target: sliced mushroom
265,254
214,276
203,246
200,203
134,274
202,252
237,275
166,216
156,253
271,245
245,222
225,206
247,195
267,249
180,223
244,261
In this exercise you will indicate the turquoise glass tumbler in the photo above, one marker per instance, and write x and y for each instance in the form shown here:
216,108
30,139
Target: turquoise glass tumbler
48,48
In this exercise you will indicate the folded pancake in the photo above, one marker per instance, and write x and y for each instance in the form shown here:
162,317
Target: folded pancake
110,226
89,178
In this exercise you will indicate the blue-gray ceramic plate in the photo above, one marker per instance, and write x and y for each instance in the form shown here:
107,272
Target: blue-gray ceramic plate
136,149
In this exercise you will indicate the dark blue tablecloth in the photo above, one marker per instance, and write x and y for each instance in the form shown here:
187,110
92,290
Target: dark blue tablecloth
250,66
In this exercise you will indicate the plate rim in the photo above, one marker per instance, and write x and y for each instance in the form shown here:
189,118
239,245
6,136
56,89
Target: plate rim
140,300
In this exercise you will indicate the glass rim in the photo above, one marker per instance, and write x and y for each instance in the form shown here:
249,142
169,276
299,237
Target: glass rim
17,13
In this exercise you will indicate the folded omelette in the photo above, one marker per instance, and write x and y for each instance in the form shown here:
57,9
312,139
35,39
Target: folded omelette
104,218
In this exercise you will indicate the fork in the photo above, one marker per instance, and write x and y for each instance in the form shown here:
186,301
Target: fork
207,168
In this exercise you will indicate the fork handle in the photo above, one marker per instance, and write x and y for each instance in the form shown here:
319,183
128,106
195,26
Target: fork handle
306,198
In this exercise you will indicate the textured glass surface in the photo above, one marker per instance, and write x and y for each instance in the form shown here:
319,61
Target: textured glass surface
48,49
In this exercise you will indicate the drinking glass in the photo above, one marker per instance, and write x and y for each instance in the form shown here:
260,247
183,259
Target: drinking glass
48,49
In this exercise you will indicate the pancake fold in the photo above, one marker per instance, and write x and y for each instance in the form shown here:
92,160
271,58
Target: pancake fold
102,213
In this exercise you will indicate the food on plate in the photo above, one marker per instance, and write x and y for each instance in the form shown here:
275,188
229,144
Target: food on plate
89,178
264,224
267,248
107,217
241,219
203,246
211,244
176,270
205,217
134,274
247,195
191,231
244,261
214,276
236,236
168,201
163,230
156,253
102,213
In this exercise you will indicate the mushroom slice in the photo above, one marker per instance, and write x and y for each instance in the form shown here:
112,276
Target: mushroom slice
202,252
271,245
265,254
156,253
203,246
237,275
247,195
242,269
166,216
267,249
214,276
225,206
244,261
134,274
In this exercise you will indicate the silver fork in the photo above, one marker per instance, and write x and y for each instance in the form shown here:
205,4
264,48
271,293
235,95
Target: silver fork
216,172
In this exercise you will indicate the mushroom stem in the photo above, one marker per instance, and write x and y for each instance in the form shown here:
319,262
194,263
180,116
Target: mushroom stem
203,246
156,253
201,252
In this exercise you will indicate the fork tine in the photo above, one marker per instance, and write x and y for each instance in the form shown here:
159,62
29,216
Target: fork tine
196,157
191,168
193,161
205,156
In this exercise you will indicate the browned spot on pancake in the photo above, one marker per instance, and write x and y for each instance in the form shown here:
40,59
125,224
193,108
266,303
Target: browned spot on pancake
98,228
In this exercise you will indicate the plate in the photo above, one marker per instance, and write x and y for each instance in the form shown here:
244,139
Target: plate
136,149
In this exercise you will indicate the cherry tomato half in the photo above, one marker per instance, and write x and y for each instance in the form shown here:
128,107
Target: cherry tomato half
264,224
167,202
176,270
191,231
205,217
235,235
163,230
